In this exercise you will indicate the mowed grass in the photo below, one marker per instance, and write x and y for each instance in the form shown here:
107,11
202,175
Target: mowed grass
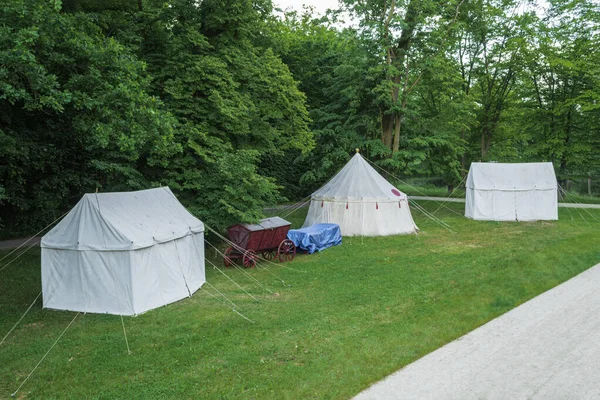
351,315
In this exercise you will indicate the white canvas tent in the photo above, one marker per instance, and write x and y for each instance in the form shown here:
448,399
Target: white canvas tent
511,192
361,202
123,253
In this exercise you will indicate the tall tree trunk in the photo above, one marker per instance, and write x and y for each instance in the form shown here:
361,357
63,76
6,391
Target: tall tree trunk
397,126
396,56
398,120
483,145
387,132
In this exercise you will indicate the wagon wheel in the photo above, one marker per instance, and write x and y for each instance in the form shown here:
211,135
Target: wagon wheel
269,255
227,260
286,250
249,259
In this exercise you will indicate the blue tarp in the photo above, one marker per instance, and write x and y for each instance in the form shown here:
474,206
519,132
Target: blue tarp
316,237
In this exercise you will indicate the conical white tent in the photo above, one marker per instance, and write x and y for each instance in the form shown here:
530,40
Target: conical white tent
511,192
361,202
123,253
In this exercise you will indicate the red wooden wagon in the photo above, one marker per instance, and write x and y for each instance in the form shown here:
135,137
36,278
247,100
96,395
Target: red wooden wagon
268,238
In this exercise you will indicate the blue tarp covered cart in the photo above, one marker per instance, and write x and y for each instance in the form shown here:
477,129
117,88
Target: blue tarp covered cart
316,237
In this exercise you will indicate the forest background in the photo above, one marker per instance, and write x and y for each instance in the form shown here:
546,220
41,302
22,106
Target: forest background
236,105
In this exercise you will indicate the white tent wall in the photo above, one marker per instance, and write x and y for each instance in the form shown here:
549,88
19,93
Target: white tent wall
511,192
361,202
123,253
123,282
87,281
159,278
363,219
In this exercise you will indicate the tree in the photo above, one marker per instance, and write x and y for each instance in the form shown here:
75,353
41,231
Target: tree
563,79
75,114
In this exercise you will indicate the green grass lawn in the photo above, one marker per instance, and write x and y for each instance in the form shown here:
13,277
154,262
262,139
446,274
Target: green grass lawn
352,315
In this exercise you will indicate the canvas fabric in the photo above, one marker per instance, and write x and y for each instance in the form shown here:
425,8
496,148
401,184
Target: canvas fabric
123,253
361,202
511,192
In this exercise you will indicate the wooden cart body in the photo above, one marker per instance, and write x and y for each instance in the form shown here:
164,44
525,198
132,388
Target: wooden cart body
268,237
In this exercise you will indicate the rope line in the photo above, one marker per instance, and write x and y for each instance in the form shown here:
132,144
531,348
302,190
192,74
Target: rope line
20,319
14,259
412,187
271,273
234,309
218,291
560,189
429,214
125,333
577,209
432,217
309,197
303,200
258,266
210,294
574,199
227,276
241,249
240,268
302,205
450,195
35,235
50,349
241,315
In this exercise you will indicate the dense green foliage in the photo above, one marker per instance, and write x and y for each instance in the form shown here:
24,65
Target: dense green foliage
353,314
235,107
102,96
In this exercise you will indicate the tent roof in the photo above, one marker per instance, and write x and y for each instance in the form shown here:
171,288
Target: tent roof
518,176
123,221
358,181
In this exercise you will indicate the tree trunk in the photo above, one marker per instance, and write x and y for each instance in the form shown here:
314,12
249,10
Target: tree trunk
589,185
387,130
396,56
483,145
398,125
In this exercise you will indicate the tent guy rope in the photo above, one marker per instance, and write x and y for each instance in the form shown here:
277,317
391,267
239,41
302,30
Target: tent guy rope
48,352
243,250
450,195
568,195
227,276
241,269
125,333
17,257
576,209
20,319
34,236
412,187
235,308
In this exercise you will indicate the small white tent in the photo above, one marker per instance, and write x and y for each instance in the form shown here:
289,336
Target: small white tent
361,202
511,192
123,253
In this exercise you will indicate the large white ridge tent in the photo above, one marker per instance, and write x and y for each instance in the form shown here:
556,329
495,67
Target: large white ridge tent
123,253
361,202
511,192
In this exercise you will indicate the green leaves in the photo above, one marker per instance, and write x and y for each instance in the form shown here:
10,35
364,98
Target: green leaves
76,114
